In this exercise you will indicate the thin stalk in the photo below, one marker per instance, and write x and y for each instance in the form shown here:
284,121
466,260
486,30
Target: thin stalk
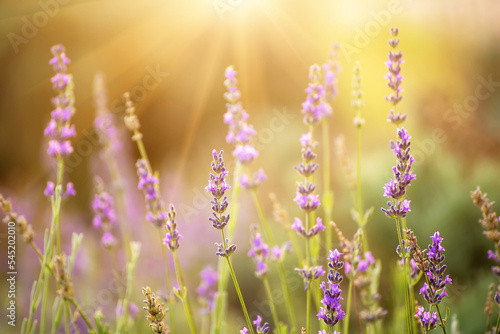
168,284
328,193
57,316
498,324
221,297
116,272
44,301
67,312
348,307
405,286
270,237
82,313
60,171
271,303
183,289
237,287
308,293
116,178
442,323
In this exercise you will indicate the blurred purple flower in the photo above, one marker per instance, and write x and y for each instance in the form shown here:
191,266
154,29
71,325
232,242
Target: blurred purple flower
206,289
149,184
315,106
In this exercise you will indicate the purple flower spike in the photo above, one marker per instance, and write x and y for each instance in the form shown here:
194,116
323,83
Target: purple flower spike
331,311
315,106
59,130
206,289
395,78
173,236
149,184
104,214
259,252
434,293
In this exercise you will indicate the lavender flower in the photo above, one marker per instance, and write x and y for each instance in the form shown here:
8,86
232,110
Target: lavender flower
297,226
261,329
428,320
315,106
331,69
436,290
324,332
259,252
217,185
309,274
331,311
240,132
206,289
256,180
104,214
149,184
59,129
396,187
395,78
304,197
173,236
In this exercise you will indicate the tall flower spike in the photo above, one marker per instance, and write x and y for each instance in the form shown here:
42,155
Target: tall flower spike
173,236
259,252
394,78
331,69
240,132
217,185
59,129
104,214
315,106
396,187
331,311
357,96
206,289
155,311
149,184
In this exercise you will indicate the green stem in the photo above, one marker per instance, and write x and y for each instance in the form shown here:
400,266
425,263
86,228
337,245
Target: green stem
271,303
288,299
82,313
308,308
67,312
237,287
44,301
328,193
221,296
498,324
442,322
308,261
348,307
405,277
183,291
167,282
270,237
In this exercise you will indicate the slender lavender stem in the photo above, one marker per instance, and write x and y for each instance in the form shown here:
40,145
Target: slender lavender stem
271,303
184,293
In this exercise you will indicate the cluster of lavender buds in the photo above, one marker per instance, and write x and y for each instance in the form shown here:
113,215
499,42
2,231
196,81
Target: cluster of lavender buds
59,129
155,311
260,328
489,222
22,225
217,186
259,252
297,226
428,320
149,184
331,69
331,311
206,289
104,122
357,96
173,236
434,293
315,107
278,253
396,187
310,273
240,132
305,197
395,78
104,214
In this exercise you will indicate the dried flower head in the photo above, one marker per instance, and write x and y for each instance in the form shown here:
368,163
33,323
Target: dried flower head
155,311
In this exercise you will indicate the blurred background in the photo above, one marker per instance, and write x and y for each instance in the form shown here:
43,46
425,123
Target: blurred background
171,56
